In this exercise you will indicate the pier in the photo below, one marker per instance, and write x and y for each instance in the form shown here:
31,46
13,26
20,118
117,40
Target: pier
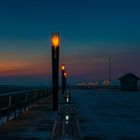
39,121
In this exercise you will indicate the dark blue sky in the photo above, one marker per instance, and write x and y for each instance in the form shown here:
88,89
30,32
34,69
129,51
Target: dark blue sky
90,31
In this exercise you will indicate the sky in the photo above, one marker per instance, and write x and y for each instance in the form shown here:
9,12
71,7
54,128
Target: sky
90,32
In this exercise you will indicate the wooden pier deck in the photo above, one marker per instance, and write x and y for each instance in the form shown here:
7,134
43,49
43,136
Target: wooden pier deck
34,124
42,123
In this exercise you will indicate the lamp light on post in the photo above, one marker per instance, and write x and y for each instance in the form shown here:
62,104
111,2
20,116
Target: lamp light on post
65,80
55,42
63,77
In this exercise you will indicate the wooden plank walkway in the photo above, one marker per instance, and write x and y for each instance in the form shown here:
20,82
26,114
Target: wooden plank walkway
67,124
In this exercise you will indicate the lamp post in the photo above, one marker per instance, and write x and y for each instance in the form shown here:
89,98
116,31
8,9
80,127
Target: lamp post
63,77
65,80
55,41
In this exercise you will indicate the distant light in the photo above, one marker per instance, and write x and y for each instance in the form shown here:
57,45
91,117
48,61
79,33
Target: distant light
55,40
106,83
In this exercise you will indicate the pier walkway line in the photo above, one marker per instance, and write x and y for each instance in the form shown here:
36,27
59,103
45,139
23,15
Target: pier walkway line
34,124
67,124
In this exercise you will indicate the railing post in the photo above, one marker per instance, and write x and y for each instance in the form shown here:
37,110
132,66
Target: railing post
35,94
26,100
9,106
10,101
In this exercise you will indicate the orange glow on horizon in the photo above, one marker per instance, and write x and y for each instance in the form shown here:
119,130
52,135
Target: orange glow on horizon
55,40
19,68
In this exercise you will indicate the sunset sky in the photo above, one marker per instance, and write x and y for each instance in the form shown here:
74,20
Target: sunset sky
90,32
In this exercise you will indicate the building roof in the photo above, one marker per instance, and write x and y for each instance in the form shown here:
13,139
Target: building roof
127,75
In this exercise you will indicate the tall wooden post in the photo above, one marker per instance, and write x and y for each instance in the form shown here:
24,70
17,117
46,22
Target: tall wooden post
55,68
63,78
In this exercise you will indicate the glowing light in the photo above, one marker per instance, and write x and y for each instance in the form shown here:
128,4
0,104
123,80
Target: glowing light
63,67
106,83
67,99
65,74
68,91
67,117
55,40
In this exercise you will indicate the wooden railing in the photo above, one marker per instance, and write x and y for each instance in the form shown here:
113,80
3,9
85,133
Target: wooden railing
14,104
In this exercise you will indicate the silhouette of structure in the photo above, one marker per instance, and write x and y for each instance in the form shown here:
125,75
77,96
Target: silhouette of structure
129,82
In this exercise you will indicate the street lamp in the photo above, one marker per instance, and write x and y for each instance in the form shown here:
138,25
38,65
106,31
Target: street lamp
63,67
65,80
55,42
63,77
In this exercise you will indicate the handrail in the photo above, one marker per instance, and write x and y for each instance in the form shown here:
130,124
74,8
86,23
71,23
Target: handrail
19,92
14,103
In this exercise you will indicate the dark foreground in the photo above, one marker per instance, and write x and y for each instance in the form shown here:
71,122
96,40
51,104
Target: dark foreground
34,124
102,115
